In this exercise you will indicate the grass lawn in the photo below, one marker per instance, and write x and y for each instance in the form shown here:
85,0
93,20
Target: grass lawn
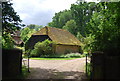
24,73
52,58
69,56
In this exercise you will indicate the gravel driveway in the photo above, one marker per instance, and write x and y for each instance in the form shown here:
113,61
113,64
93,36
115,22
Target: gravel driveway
57,69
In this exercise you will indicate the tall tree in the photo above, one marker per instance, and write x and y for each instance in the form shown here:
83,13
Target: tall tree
82,13
105,27
71,26
10,20
26,33
60,19
35,27
10,23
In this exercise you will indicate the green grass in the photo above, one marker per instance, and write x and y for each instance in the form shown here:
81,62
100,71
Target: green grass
24,73
70,55
88,69
52,58
58,56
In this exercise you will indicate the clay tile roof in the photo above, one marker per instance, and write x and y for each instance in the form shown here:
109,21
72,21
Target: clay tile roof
60,36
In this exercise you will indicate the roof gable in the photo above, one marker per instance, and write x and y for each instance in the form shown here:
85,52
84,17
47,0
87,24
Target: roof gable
60,36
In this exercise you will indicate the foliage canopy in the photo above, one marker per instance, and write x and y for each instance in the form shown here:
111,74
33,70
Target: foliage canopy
42,48
10,23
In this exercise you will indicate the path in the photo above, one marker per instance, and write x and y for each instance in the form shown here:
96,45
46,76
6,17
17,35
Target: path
57,69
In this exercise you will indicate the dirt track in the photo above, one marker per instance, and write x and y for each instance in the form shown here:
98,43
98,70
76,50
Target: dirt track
57,69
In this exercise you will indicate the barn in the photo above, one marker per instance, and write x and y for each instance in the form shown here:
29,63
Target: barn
64,40
17,39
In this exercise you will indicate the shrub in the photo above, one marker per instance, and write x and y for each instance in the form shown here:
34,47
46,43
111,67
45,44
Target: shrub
73,55
88,70
7,41
42,48
69,55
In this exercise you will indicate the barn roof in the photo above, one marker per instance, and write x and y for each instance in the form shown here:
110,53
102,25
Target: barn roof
16,37
59,36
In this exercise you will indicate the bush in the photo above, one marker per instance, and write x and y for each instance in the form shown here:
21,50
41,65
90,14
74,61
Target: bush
42,48
51,56
69,55
74,55
88,70
7,41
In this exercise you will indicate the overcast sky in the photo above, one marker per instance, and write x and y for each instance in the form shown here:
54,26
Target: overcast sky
39,12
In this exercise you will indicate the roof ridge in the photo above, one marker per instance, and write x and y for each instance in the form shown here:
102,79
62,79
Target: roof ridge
55,28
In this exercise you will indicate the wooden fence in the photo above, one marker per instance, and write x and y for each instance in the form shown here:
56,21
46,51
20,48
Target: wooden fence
104,67
11,63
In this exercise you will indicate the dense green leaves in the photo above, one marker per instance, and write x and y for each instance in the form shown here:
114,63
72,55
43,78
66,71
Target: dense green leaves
25,34
71,26
7,41
28,31
96,25
10,23
35,27
82,13
42,48
104,27
60,19
10,20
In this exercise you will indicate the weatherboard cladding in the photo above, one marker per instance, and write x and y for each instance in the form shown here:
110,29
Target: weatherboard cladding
59,36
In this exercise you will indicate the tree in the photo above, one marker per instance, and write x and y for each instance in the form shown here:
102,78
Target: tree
10,23
38,27
42,48
104,26
26,33
60,19
35,27
31,26
82,13
10,20
71,26
7,41
80,37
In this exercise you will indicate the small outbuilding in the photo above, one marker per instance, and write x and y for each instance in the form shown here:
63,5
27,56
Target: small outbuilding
64,40
17,39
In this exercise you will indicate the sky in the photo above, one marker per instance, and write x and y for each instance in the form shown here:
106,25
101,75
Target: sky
39,12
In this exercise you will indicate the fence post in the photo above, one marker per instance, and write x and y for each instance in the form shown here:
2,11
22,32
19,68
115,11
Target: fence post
86,64
28,63
91,68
